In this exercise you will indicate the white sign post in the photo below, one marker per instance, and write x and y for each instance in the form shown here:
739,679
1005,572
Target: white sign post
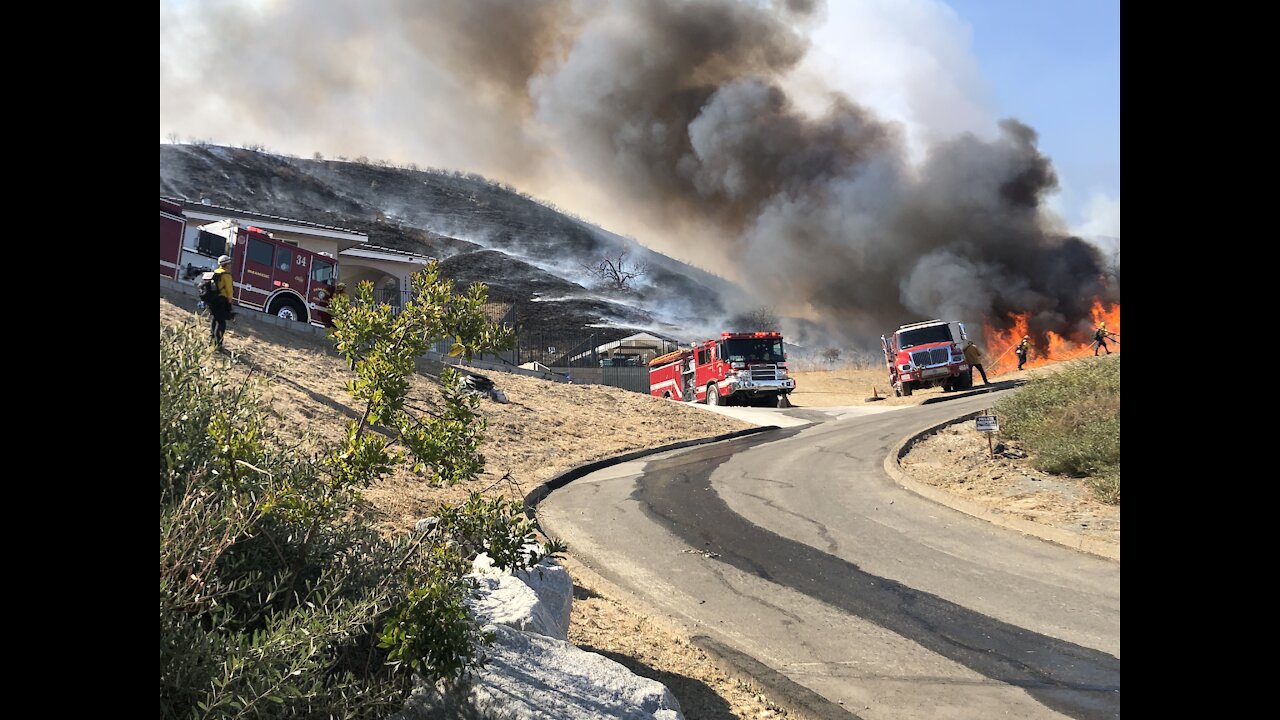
990,425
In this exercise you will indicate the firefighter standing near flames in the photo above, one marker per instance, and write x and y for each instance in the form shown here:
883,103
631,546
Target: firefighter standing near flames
1100,339
973,356
1022,349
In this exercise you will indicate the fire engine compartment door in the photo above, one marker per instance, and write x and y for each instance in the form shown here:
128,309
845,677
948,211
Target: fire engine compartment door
259,272
290,270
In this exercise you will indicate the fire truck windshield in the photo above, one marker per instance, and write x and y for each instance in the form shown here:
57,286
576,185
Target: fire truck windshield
753,350
323,272
923,336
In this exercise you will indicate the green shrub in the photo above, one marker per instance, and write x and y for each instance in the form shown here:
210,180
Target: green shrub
266,605
277,596
1070,421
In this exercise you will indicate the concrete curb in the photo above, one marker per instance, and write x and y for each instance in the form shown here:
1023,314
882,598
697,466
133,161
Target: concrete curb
985,389
893,467
540,493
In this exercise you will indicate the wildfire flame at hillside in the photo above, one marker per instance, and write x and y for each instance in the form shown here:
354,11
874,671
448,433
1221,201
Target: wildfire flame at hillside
1047,347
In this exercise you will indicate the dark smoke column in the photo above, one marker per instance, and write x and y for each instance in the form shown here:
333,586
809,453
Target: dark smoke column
679,108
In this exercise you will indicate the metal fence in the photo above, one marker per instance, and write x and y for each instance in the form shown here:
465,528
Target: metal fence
501,313
565,349
571,353
395,298
635,379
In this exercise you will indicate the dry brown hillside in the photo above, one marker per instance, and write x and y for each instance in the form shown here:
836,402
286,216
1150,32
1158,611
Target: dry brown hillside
545,429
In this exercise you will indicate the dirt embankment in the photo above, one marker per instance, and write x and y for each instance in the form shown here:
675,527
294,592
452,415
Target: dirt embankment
956,459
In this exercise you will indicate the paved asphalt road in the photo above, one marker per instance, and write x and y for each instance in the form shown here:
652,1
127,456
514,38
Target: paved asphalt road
793,553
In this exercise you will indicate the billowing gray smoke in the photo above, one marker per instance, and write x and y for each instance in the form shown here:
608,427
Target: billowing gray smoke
677,109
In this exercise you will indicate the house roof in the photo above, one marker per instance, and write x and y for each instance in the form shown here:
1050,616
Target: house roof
211,213
378,252
640,340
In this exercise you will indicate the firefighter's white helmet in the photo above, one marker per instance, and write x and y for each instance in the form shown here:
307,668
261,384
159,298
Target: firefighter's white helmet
224,260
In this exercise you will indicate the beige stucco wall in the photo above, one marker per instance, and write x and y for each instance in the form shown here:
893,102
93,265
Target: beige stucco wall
312,243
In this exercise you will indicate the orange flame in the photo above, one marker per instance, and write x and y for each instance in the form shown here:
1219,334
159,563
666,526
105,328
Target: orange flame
1051,348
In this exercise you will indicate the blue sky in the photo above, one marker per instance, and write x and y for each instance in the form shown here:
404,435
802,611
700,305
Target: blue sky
945,68
1056,65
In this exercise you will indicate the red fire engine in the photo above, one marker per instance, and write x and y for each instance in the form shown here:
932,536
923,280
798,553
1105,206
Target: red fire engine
927,354
739,368
269,275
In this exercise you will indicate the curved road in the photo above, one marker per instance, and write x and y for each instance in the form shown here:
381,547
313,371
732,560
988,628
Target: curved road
794,555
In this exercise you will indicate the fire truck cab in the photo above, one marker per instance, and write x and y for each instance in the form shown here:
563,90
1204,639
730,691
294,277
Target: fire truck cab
739,368
268,274
927,354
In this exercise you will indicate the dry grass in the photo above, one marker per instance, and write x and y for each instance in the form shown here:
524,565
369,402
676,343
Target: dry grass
843,387
1070,420
852,384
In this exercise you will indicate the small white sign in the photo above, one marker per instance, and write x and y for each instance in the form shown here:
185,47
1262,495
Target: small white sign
988,423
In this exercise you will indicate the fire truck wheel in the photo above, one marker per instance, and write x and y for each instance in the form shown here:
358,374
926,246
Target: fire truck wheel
288,310
713,395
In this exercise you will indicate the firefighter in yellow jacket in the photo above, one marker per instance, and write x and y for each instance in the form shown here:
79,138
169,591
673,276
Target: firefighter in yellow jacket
1100,336
220,305
1022,349
973,356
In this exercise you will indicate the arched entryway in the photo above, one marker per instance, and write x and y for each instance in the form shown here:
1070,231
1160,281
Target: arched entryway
386,287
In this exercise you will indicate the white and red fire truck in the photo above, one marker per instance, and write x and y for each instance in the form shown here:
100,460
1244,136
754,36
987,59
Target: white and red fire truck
268,274
739,368
927,354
